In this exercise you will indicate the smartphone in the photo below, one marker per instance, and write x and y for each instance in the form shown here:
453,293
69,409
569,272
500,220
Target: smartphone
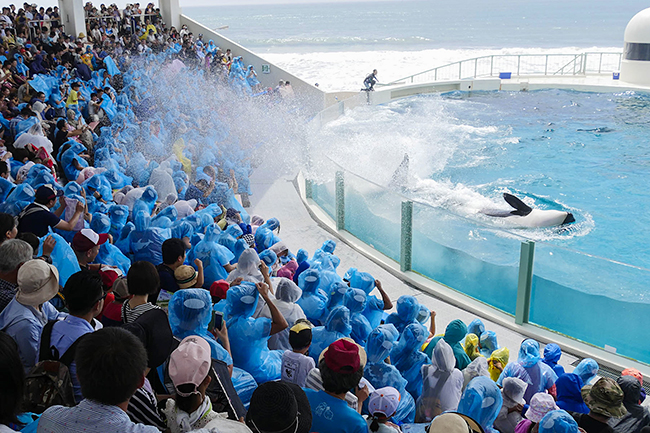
216,322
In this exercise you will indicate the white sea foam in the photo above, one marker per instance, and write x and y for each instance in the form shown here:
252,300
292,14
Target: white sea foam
335,71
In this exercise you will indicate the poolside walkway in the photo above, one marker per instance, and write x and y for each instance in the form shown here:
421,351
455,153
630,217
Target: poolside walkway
279,198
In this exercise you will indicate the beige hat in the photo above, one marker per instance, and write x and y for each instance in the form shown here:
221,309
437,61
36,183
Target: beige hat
38,282
121,288
454,422
186,276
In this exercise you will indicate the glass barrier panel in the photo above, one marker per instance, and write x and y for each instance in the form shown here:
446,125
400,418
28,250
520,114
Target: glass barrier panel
373,214
478,261
324,194
595,300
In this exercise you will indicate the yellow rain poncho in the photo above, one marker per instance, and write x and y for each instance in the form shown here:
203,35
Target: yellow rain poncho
471,346
497,362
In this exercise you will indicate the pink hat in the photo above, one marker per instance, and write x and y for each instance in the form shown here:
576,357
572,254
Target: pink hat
540,404
384,401
190,363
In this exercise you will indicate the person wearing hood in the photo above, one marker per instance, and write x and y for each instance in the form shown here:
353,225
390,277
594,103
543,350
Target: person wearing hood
375,307
637,416
250,336
286,295
552,355
488,343
558,421
355,300
248,268
337,325
408,359
313,300
454,334
587,369
407,311
478,367
569,398
513,404
482,402
442,384
381,374
472,347
529,367
216,258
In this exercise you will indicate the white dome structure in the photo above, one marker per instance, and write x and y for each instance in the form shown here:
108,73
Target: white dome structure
635,66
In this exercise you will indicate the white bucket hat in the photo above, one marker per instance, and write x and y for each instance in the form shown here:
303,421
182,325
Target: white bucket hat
38,282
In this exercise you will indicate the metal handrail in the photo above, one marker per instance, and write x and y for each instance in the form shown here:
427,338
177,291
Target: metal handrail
521,63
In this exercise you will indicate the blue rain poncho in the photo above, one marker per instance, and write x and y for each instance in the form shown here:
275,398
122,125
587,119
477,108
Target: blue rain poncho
213,256
424,314
336,294
68,159
454,333
313,300
488,343
380,374
63,258
249,337
337,325
264,236
407,312
482,402
190,312
552,355
476,327
374,311
442,384
328,275
558,421
18,199
408,359
118,215
355,301
109,254
146,241
530,369
569,397
146,202
587,369
5,188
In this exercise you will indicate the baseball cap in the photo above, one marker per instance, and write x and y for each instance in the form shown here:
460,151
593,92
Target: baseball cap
190,363
86,239
38,282
47,192
219,289
121,288
186,276
300,335
384,401
344,356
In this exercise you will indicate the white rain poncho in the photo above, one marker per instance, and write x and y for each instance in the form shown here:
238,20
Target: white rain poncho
513,388
36,137
286,294
442,384
247,268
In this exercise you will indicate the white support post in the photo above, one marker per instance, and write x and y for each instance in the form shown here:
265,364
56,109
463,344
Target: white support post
72,16
171,13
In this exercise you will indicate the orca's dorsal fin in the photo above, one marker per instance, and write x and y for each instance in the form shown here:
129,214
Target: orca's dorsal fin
522,208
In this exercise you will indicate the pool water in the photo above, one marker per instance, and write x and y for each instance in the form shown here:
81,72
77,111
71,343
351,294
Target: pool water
586,153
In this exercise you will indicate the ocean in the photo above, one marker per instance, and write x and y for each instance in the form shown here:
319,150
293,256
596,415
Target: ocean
337,44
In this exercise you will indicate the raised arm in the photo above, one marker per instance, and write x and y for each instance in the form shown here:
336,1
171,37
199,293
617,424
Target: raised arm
279,323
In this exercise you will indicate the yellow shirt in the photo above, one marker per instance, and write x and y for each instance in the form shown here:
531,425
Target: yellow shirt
73,98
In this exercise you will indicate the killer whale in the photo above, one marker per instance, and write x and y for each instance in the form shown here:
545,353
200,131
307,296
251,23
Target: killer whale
525,216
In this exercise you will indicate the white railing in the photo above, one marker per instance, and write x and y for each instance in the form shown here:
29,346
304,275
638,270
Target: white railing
520,65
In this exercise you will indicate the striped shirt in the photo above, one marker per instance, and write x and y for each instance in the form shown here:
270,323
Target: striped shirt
130,315
89,417
143,409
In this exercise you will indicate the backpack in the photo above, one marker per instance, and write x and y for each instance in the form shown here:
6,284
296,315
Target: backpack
49,383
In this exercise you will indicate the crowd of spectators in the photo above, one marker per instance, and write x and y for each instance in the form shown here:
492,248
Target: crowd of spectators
138,295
